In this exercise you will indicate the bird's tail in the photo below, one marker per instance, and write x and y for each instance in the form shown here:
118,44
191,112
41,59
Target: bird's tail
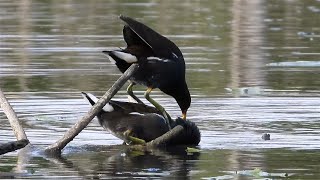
116,55
93,100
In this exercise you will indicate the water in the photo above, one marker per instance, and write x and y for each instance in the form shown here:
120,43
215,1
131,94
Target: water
252,68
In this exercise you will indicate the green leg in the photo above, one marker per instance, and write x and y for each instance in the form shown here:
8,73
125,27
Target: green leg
158,106
130,92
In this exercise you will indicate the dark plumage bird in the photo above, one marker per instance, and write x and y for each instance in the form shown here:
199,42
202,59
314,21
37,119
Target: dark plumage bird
161,63
142,121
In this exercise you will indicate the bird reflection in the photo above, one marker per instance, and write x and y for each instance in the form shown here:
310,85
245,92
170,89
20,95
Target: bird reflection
123,162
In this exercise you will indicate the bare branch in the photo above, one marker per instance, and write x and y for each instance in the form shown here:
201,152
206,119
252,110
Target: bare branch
166,138
162,141
86,119
12,117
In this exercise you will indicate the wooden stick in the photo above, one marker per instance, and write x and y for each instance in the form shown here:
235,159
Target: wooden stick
12,146
12,117
166,138
85,120
162,141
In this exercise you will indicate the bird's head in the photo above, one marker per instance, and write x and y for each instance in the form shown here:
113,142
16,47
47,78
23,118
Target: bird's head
183,98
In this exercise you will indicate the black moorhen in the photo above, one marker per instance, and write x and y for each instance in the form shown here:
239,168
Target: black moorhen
142,121
161,64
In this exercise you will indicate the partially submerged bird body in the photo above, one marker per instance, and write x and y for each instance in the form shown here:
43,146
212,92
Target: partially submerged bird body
161,63
118,117
142,121
137,124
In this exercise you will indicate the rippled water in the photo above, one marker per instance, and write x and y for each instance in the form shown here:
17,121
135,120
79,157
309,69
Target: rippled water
252,68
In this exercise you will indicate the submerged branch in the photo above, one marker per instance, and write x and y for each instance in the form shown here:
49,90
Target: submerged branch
162,141
166,138
12,146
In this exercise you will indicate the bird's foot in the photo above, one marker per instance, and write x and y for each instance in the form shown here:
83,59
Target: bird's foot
132,140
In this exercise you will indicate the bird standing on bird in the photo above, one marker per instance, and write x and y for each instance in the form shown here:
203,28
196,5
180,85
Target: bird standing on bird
144,123
161,64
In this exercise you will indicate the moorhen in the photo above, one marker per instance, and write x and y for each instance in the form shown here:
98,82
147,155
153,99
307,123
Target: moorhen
161,64
141,121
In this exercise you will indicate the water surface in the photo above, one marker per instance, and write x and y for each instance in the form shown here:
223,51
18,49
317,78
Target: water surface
252,68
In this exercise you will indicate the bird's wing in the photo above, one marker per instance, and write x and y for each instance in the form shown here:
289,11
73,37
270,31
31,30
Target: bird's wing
132,38
134,107
160,45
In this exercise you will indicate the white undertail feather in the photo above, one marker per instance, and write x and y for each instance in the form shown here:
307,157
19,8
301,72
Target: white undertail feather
129,58
107,107
111,59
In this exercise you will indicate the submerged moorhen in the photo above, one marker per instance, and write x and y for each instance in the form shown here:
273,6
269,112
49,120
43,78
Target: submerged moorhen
142,121
161,64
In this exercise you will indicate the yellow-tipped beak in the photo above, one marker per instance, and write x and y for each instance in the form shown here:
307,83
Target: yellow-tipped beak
184,115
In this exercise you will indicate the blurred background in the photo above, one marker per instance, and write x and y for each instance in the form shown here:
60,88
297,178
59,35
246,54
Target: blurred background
56,46
252,68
